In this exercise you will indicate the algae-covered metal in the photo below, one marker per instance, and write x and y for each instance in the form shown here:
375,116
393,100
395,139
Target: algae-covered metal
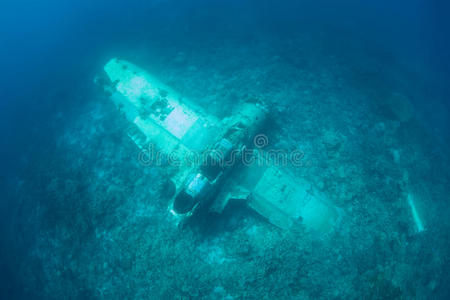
180,129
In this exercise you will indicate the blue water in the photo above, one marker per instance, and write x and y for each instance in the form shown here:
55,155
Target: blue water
70,184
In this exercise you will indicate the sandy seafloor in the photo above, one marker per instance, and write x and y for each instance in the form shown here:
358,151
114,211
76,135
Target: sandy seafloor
101,230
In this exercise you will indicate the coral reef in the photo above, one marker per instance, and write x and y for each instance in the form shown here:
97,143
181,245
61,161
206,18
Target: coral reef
102,229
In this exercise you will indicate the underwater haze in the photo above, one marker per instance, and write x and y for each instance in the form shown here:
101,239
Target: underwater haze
360,88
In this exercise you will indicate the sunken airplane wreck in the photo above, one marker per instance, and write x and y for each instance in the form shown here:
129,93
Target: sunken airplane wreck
180,129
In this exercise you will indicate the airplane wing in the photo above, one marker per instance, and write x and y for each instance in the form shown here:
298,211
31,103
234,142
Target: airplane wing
176,128
280,197
283,199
